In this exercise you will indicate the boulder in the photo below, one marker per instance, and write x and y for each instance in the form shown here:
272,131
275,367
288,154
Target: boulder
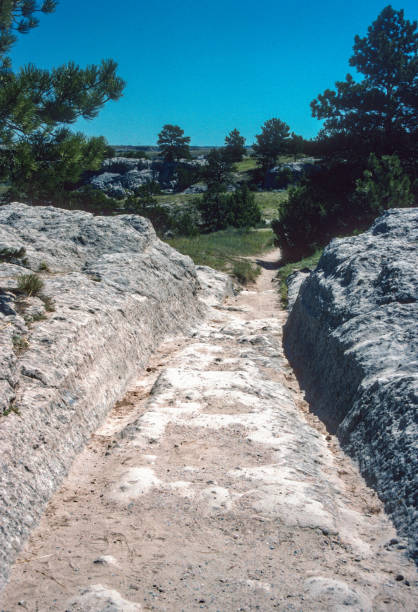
352,339
111,292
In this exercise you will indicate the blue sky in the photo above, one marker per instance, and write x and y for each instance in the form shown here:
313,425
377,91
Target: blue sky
208,66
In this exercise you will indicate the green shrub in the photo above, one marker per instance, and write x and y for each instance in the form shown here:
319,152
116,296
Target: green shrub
383,185
29,284
9,254
43,267
20,344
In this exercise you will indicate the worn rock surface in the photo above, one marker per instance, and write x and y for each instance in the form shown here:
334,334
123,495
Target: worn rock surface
121,176
111,292
211,486
352,338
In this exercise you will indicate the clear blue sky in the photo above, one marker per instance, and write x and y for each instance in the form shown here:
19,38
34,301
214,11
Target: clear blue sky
208,66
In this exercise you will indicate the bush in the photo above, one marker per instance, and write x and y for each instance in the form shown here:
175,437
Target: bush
221,210
29,284
384,185
8,254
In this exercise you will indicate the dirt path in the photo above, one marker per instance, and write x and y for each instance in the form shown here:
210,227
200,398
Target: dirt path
211,486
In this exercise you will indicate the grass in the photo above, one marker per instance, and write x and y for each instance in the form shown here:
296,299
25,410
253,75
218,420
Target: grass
20,344
269,202
245,271
175,198
29,284
285,271
221,250
248,163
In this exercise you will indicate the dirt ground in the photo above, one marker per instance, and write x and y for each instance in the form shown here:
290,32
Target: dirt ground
211,486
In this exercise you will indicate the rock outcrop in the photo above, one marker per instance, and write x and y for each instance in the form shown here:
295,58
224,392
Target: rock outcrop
111,292
353,342
120,177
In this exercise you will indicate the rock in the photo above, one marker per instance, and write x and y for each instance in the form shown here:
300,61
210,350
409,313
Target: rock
121,176
215,286
98,598
294,282
196,188
352,339
116,292
335,595
123,164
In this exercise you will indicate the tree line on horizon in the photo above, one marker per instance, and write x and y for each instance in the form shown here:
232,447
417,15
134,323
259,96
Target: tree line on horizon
366,151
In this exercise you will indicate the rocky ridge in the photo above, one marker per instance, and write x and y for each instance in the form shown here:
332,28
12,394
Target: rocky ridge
111,292
352,339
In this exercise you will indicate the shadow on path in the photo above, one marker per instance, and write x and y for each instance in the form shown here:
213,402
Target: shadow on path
268,265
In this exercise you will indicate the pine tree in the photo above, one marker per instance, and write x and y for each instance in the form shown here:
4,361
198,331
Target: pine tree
173,144
271,142
37,104
234,149
379,113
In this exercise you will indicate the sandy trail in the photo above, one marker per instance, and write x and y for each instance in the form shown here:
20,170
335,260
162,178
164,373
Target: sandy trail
211,486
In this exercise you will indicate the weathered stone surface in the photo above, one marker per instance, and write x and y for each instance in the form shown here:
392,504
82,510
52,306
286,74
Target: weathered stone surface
116,291
98,598
353,341
121,176
294,282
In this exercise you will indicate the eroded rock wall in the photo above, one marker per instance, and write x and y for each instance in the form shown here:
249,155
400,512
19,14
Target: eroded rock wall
112,291
352,339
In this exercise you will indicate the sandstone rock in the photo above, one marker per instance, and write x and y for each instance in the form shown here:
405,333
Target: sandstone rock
294,282
98,598
352,339
113,293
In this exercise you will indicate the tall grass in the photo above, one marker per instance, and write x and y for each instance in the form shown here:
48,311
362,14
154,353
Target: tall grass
220,250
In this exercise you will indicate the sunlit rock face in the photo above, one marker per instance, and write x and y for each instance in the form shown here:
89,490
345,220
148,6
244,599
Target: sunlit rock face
352,338
111,292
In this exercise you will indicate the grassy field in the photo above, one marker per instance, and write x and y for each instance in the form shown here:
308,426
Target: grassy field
269,202
248,163
176,198
286,270
221,250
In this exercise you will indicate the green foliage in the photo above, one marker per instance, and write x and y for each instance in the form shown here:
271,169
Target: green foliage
271,142
42,167
173,144
220,250
234,149
221,210
300,223
186,176
217,172
245,272
377,114
43,267
17,16
297,145
10,254
29,284
20,344
384,185
35,105
286,270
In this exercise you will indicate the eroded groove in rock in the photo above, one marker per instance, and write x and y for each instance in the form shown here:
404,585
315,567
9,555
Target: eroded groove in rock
111,292
211,486
352,339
